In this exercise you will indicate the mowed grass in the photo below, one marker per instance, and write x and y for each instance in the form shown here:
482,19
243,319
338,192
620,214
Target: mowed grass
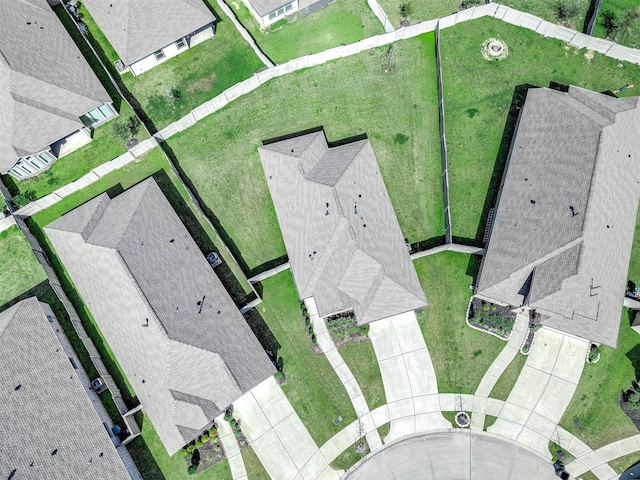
255,469
341,23
460,354
420,10
622,463
311,384
350,96
507,380
478,96
628,33
172,89
363,363
152,460
20,269
547,10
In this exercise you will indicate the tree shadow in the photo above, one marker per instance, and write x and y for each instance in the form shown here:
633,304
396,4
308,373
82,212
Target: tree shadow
634,357
517,101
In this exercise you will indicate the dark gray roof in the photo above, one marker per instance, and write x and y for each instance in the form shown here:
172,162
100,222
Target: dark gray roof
343,239
566,211
48,426
137,28
45,82
264,7
132,259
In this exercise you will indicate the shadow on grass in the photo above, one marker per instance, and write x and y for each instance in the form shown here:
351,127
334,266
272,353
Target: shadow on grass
263,333
517,101
634,357
473,267
139,451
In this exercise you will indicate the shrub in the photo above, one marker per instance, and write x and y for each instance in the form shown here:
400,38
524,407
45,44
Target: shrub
205,438
227,415
313,340
184,452
198,443
212,432
610,23
120,130
176,94
214,439
191,448
217,449
485,307
193,469
594,353
307,322
634,398
238,433
310,330
233,423
566,10
278,375
27,197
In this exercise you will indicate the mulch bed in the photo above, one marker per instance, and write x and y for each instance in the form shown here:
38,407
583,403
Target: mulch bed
306,324
242,440
344,329
208,454
492,318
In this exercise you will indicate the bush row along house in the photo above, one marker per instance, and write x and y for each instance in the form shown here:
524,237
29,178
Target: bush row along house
181,341
561,238
50,96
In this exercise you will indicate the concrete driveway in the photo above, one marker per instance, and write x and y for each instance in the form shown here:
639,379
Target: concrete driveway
543,390
408,376
454,455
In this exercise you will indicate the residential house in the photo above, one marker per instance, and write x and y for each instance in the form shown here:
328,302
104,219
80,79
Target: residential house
561,238
48,425
343,239
146,33
267,12
182,343
48,93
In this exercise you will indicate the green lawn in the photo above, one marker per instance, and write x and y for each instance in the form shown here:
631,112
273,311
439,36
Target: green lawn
346,459
420,10
622,463
588,476
311,385
341,23
350,96
478,95
152,460
488,421
508,379
548,10
460,354
174,88
383,431
361,360
20,269
255,470
626,14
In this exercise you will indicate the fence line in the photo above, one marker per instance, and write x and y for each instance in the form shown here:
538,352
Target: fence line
382,16
594,16
6,223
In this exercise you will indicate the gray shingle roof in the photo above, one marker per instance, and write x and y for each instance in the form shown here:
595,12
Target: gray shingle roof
343,239
132,259
567,210
138,28
45,82
264,7
44,408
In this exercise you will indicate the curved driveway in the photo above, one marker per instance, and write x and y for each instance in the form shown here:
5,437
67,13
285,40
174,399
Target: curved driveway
454,455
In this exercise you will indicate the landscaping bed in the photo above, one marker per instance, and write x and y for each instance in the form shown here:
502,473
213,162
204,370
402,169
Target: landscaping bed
492,318
630,403
205,451
308,328
344,330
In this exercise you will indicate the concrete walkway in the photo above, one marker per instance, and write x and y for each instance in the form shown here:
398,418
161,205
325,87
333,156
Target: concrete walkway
231,449
543,390
408,376
278,437
343,371
497,368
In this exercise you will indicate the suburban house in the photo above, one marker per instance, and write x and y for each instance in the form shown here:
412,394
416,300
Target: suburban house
50,97
562,233
48,425
267,12
146,33
177,334
343,239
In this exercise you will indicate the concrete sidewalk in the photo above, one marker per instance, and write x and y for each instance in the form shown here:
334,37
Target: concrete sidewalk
408,376
342,370
278,436
497,368
543,390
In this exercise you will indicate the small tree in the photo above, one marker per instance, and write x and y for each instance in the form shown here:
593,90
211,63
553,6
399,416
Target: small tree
405,10
610,23
361,446
193,469
566,10
120,130
133,126
389,59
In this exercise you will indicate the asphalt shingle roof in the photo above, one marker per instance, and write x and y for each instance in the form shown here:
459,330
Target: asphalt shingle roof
138,28
343,239
264,7
45,82
135,264
566,211
48,426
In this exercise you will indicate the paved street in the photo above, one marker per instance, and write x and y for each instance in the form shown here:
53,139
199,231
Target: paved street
455,455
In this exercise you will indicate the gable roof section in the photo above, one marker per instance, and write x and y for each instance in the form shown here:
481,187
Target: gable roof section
343,239
38,386
45,82
178,335
138,28
558,219
264,7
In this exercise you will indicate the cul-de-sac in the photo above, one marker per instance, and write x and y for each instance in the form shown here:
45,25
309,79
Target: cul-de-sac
319,239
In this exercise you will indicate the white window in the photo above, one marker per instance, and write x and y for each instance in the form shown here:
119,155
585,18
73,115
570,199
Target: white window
181,44
281,11
17,172
45,157
35,163
272,15
288,7
25,168
159,55
106,111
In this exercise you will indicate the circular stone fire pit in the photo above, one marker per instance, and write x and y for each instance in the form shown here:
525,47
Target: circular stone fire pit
494,49
462,419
